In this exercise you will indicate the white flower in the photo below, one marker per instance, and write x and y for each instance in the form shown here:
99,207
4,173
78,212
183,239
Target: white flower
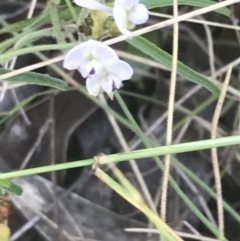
110,78
100,65
125,12
88,57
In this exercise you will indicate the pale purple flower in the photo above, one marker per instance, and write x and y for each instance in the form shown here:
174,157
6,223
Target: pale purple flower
125,12
100,65
88,57
110,78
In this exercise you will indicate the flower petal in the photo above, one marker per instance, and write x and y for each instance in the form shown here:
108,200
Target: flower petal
121,70
86,68
108,84
93,5
103,52
93,85
117,82
120,17
139,14
90,67
98,50
75,56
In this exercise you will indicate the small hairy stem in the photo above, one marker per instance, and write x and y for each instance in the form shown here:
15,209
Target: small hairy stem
163,204
215,162
72,10
56,23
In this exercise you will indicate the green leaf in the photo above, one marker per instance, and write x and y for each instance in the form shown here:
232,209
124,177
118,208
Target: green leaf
5,183
166,59
14,188
195,3
153,37
37,79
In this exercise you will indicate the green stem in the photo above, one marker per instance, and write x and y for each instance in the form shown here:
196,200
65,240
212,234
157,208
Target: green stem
29,38
56,23
72,10
138,154
7,43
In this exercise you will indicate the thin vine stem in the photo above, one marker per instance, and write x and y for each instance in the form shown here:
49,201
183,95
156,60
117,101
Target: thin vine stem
215,162
163,204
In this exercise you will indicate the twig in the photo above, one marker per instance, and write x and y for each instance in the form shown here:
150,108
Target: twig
215,162
210,48
209,23
42,132
52,158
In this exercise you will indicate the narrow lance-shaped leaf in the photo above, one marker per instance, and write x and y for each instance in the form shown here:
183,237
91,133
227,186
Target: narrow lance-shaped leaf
4,183
36,78
9,186
166,59
14,188
195,3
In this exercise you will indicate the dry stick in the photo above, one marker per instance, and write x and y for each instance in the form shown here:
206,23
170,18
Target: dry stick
198,195
235,22
72,220
141,60
216,170
209,23
133,163
43,130
163,205
52,159
157,26
210,48
191,228
12,86
43,217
